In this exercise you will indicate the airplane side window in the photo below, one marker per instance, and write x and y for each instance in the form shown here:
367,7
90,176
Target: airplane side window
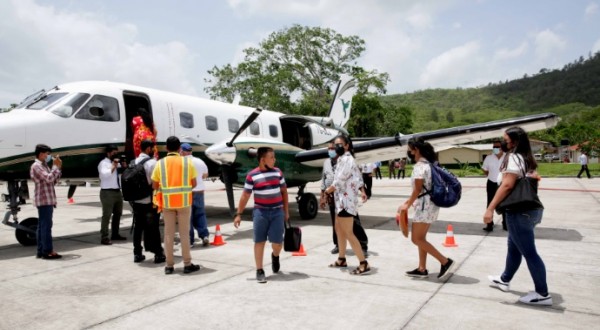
233,124
254,129
100,108
186,119
273,131
72,104
211,123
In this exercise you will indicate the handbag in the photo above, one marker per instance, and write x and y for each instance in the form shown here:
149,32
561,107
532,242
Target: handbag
523,196
292,238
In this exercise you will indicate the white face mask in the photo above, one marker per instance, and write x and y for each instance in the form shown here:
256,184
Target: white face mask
48,158
496,151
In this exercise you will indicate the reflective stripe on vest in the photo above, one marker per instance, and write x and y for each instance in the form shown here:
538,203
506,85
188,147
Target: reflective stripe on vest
175,184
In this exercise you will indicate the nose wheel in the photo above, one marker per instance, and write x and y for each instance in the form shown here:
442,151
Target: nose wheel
26,231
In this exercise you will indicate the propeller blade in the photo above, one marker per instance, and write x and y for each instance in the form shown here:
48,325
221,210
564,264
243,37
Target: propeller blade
245,125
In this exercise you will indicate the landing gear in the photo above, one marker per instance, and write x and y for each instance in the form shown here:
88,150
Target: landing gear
25,230
307,204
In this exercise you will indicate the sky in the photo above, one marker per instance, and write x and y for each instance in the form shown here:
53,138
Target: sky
171,45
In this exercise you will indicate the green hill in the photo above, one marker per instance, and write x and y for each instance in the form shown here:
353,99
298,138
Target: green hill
572,92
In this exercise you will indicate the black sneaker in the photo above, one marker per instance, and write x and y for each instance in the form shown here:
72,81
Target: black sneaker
335,250
418,273
275,263
139,258
446,269
191,268
260,276
169,270
159,259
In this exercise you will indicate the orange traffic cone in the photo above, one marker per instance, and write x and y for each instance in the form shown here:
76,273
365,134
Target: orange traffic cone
218,237
300,253
450,238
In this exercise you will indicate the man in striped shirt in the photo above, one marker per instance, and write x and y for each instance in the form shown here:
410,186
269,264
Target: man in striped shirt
270,209
45,178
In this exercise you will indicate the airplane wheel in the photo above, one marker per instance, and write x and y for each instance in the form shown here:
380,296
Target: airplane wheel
24,237
308,206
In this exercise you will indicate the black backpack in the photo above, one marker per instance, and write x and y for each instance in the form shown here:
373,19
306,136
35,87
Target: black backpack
134,183
445,187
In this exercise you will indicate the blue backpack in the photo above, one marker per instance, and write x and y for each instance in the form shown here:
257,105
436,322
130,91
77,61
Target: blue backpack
445,188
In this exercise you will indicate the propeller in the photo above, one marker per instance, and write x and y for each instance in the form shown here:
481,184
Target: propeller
228,172
245,125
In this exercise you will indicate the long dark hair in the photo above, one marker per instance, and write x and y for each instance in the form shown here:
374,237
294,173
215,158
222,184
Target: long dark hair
521,146
146,118
425,148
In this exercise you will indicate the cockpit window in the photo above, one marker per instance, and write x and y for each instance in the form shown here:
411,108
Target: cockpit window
69,105
100,108
45,101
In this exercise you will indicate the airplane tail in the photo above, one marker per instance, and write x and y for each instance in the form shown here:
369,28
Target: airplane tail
339,112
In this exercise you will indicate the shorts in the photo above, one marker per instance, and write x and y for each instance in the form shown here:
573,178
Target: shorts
344,214
268,223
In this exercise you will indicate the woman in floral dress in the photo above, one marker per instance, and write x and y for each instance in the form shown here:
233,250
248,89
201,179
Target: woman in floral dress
421,154
143,129
346,186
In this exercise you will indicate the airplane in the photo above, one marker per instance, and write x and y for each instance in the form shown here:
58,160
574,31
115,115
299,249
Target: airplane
77,120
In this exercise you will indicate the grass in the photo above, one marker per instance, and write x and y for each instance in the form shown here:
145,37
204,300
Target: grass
547,170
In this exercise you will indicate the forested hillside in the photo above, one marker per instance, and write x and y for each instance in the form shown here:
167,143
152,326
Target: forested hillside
573,92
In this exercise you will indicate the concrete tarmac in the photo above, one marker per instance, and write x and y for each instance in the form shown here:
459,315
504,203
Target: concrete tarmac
97,286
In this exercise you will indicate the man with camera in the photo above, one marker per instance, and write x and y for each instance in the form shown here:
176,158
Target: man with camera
110,195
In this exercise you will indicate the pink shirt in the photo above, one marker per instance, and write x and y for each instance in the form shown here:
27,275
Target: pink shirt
44,179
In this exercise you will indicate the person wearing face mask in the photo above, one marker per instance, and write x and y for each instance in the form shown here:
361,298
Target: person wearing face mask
491,168
425,212
326,180
110,195
347,184
45,178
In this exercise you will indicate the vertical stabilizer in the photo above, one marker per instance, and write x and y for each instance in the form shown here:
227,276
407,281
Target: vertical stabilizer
342,101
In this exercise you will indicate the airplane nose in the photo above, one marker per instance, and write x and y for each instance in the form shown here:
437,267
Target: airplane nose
220,153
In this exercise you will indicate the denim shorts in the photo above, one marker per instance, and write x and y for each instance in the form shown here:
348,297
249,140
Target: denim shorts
268,223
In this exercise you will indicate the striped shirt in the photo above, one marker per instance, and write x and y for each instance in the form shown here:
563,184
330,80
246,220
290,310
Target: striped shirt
44,179
266,186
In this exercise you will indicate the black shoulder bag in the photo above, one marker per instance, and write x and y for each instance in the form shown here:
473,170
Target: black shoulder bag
522,197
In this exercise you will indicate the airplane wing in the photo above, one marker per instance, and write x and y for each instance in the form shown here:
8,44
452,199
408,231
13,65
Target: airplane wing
394,147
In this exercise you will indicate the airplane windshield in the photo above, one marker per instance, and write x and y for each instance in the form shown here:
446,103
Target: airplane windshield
69,105
45,101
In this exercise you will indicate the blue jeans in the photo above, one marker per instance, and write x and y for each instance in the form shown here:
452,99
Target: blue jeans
198,218
44,230
521,243
268,224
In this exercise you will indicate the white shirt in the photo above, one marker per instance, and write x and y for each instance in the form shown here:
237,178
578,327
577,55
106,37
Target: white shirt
108,179
148,168
491,164
201,169
367,168
516,165
583,159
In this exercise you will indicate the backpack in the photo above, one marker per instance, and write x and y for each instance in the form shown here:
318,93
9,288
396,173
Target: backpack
445,187
134,183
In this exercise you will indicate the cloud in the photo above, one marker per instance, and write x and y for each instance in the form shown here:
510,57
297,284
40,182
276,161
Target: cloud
57,46
596,47
591,10
509,54
548,44
451,67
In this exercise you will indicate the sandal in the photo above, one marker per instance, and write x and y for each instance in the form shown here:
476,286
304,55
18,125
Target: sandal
339,263
361,271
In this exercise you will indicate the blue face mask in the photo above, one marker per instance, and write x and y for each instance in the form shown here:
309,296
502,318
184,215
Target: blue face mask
48,158
331,153
496,151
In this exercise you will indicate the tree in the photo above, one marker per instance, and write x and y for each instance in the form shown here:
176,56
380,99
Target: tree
450,116
293,71
434,116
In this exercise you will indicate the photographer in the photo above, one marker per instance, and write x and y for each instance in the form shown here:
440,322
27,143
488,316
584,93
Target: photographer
110,195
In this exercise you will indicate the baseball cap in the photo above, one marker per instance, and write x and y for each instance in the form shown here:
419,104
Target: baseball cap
186,147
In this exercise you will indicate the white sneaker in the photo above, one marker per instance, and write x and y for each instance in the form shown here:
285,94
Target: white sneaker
497,282
534,298
205,241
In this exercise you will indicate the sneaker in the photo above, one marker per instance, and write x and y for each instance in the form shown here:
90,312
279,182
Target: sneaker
418,273
169,270
534,298
191,268
159,259
335,250
497,282
260,276
275,263
139,258
446,270
205,241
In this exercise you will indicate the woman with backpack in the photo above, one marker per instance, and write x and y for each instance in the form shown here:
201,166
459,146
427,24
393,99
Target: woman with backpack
421,154
518,163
